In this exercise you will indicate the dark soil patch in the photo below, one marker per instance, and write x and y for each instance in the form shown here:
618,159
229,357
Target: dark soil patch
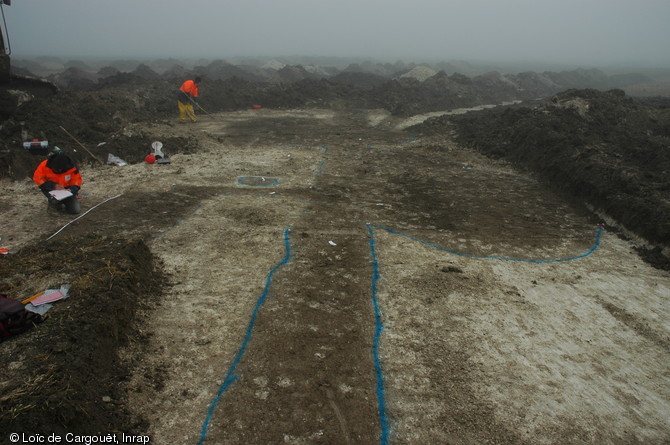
144,214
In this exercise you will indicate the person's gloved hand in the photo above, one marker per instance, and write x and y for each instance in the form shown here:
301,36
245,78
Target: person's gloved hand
74,189
48,186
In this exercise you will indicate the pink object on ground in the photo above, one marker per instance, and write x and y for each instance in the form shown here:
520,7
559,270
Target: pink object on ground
48,298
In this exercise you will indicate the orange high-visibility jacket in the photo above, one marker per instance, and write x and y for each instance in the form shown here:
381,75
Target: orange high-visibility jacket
190,87
44,174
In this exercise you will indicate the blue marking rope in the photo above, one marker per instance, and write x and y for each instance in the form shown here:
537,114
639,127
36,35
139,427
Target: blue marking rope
323,161
230,376
319,171
241,180
453,252
384,435
375,348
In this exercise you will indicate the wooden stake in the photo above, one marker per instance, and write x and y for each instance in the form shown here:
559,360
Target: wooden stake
82,146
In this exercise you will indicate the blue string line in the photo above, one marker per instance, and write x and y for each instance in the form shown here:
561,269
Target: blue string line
319,171
375,348
323,161
453,252
384,435
230,377
241,180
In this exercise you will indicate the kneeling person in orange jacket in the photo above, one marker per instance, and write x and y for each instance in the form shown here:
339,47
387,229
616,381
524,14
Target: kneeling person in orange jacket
59,172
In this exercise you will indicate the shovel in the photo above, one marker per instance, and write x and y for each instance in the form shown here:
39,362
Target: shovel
198,105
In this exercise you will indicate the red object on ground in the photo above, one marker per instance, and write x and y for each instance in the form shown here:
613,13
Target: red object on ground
256,107
150,159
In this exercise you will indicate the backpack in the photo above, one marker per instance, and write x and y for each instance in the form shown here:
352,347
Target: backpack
14,318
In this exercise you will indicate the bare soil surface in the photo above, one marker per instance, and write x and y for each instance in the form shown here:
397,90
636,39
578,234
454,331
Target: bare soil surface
321,271
313,276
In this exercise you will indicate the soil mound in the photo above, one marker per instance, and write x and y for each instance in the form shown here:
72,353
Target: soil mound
420,73
98,120
603,148
48,386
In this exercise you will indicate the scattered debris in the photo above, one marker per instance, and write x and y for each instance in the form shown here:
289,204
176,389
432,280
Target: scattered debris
115,160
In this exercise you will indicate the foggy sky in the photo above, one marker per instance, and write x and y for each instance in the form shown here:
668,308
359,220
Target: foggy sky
585,32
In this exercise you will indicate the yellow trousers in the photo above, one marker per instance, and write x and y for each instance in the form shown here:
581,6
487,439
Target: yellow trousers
186,110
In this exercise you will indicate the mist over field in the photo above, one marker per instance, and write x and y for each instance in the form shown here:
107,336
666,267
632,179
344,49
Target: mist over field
595,33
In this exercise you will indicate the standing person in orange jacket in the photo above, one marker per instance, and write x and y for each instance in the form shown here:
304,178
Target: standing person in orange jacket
186,97
59,172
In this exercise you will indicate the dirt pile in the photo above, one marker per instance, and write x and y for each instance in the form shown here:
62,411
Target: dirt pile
99,120
49,381
603,148
409,96
420,73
